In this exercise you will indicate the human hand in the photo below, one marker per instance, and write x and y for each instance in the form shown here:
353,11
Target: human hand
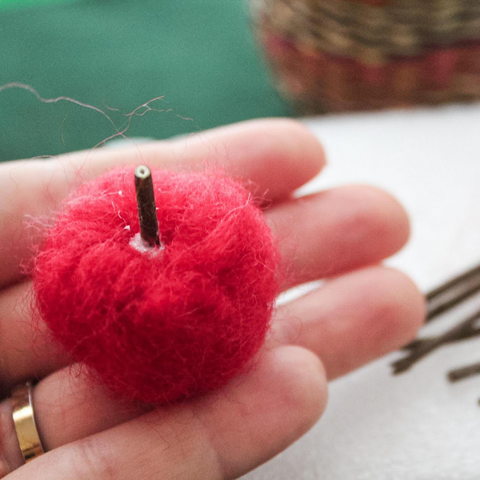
361,312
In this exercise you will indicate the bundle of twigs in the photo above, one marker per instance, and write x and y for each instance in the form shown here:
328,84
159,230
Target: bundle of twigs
439,301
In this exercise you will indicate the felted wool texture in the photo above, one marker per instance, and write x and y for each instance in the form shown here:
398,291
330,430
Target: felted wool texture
168,324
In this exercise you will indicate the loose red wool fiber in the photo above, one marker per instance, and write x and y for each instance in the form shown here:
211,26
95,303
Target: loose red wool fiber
161,325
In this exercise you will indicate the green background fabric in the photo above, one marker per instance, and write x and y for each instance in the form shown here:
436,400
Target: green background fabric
4,4
199,54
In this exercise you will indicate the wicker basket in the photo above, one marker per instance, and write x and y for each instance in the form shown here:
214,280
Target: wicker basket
340,55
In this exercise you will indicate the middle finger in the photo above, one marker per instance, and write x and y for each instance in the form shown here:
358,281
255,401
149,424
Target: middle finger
320,235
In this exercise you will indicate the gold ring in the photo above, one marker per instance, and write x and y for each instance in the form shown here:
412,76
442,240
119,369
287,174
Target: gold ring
24,420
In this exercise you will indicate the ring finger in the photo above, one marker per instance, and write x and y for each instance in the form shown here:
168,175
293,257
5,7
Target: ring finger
335,327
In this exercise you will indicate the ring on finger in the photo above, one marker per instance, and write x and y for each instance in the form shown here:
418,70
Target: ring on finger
24,421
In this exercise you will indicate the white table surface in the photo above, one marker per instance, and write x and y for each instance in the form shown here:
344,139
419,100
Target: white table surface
415,426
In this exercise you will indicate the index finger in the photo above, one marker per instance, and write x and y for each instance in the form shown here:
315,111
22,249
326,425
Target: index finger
274,156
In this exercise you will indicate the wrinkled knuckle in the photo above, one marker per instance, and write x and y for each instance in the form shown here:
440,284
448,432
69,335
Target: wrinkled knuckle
93,461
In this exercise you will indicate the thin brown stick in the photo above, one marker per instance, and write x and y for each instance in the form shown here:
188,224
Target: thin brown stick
147,210
452,292
459,331
467,335
464,372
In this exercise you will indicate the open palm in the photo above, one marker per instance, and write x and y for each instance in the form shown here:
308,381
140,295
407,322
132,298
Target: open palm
362,311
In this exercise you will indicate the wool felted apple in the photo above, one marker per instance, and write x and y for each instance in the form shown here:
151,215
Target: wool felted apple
157,325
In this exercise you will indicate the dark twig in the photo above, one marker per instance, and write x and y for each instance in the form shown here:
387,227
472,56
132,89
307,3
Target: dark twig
147,210
439,301
467,335
457,332
464,372
452,293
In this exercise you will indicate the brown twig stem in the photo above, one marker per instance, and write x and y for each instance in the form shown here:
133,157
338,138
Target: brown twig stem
147,211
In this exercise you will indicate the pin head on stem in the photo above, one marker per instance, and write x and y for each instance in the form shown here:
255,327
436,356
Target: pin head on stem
147,210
